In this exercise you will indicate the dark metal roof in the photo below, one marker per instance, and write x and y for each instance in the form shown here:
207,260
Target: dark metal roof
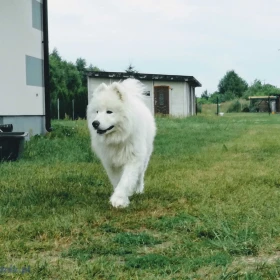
145,77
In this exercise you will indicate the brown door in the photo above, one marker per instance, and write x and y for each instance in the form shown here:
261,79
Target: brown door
161,95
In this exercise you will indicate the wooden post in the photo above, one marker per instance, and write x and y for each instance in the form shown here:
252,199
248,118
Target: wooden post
58,108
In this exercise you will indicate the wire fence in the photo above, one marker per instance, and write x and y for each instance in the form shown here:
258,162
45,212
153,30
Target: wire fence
68,109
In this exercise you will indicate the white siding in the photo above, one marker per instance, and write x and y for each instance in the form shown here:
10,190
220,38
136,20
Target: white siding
176,96
93,83
190,100
18,39
149,100
194,101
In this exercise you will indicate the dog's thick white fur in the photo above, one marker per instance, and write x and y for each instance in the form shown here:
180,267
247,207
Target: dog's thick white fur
122,131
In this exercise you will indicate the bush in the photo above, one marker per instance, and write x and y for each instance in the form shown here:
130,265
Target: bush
246,108
235,106
229,96
214,96
202,101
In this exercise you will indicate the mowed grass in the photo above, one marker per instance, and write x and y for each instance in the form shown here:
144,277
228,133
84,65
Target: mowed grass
211,207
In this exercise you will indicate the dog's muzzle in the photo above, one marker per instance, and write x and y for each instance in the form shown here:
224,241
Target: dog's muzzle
96,124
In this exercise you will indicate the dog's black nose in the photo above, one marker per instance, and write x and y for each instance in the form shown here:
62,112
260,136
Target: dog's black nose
96,124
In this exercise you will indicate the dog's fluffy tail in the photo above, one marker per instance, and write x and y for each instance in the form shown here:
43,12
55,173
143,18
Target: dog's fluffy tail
134,87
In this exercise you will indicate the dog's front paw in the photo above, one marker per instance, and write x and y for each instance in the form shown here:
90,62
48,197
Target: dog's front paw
119,201
139,189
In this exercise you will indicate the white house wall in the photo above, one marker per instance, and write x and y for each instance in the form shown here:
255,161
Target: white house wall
191,100
93,83
21,88
194,101
149,100
187,99
176,97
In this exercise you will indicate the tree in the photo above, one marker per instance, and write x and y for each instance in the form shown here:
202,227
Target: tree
259,89
232,85
68,81
254,89
93,68
81,64
205,94
213,97
58,88
268,90
55,55
131,69
73,79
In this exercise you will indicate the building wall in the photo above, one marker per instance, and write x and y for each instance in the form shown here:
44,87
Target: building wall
21,67
194,101
177,100
93,83
180,94
187,98
31,124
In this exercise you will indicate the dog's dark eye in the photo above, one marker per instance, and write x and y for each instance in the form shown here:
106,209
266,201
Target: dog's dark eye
109,112
97,112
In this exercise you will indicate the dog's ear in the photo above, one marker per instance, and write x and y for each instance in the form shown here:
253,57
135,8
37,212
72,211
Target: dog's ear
117,88
100,88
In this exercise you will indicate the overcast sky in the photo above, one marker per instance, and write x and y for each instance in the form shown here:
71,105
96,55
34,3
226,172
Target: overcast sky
200,38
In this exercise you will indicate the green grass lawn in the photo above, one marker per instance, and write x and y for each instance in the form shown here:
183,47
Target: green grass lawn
211,207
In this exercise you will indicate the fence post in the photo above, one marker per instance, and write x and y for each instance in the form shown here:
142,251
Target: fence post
58,108
73,109
269,109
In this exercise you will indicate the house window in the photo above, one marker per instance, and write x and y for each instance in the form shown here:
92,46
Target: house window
37,15
34,71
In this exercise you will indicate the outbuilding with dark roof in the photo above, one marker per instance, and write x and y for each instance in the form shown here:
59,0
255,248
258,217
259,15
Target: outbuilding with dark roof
165,94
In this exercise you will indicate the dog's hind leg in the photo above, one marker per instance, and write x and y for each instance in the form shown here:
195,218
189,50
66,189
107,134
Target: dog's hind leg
140,182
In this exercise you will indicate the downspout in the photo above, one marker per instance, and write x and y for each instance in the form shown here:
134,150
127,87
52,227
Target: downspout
46,67
190,101
153,101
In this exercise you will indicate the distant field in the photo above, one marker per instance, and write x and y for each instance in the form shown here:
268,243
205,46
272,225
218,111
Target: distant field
211,207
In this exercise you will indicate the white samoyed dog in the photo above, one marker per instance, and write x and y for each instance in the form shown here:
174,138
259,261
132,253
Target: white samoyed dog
122,131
